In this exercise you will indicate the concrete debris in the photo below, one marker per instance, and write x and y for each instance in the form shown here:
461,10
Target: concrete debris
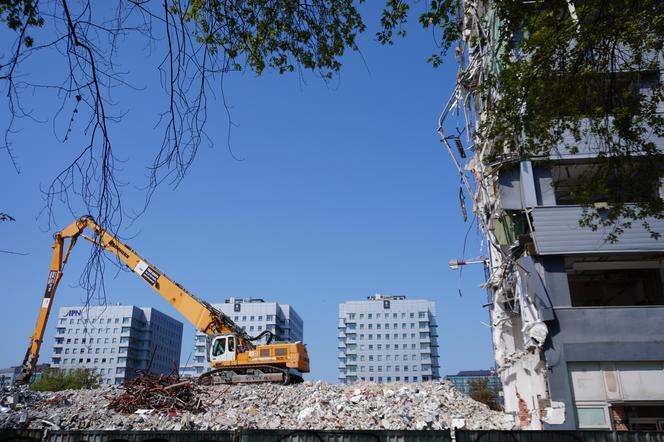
306,406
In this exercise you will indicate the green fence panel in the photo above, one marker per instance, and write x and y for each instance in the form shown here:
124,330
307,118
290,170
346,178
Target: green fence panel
141,436
20,435
343,436
562,436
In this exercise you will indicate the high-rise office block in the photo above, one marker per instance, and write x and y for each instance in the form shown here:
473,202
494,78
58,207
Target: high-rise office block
116,340
254,316
388,338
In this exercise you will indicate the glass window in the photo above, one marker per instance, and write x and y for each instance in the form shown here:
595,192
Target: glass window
125,320
368,315
231,344
592,417
219,347
251,318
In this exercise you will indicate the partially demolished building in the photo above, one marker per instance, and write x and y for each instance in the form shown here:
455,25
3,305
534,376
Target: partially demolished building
576,319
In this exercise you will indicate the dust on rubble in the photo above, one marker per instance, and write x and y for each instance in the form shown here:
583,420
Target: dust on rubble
171,403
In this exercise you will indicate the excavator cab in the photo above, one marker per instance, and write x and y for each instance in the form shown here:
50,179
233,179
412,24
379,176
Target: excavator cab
222,348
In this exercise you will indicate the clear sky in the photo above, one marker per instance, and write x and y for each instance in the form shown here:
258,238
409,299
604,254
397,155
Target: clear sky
344,191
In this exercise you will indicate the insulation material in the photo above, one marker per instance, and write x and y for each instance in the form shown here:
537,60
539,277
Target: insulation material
533,326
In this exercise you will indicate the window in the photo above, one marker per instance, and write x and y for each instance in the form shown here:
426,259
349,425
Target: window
567,178
422,314
369,326
361,315
370,346
387,326
350,316
595,283
368,315
75,340
592,417
126,320
251,318
371,358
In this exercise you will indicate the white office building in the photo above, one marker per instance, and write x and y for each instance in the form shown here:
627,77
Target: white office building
116,341
254,316
388,339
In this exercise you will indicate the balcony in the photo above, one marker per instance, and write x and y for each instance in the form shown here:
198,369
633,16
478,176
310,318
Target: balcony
557,231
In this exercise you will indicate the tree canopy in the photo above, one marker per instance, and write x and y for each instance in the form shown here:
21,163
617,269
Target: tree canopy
560,73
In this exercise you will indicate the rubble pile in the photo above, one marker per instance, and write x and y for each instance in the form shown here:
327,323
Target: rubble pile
306,406
163,393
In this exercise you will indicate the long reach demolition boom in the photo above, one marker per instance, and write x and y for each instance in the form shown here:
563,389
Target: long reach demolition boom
232,353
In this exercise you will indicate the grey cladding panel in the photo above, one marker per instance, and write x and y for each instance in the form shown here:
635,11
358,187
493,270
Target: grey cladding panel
510,191
557,231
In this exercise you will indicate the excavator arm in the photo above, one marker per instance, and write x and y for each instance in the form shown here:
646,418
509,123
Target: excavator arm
200,313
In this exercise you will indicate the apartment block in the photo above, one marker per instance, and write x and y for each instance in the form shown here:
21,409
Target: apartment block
576,312
116,341
388,339
255,316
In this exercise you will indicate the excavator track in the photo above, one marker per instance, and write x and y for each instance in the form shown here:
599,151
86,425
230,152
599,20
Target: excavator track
243,374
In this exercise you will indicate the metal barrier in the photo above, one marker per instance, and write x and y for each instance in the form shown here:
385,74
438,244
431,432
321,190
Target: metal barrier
225,436
327,436
558,436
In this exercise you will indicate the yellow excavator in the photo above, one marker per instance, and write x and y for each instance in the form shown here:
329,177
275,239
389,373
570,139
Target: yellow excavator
234,356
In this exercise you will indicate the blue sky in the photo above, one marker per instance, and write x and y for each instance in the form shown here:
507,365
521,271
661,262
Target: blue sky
344,192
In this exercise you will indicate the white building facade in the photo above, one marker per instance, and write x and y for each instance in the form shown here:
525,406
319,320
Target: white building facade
388,339
255,316
116,340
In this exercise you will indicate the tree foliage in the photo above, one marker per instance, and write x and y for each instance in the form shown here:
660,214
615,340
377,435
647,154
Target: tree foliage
54,379
557,70
480,391
585,74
